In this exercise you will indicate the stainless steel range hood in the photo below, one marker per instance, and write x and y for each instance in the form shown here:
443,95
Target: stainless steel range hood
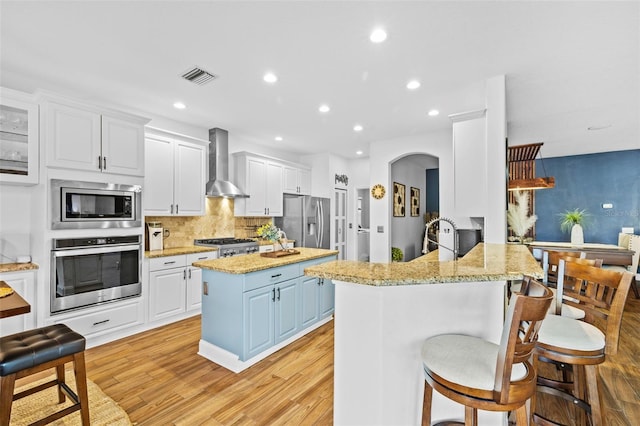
218,184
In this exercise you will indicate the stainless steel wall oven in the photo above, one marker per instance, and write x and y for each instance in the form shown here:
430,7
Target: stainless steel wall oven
89,271
93,205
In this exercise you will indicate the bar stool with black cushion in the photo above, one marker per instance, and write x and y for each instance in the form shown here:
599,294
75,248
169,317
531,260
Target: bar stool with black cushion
483,375
29,352
583,344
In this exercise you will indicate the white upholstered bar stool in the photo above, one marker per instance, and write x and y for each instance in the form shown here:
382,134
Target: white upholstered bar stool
583,344
484,375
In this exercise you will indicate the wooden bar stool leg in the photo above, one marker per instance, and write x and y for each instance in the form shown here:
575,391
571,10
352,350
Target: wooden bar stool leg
595,400
426,405
579,391
7,384
60,376
81,386
470,416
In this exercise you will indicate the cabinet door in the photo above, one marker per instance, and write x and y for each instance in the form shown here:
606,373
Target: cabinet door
18,138
327,297
73,138
158,180
286,310
290,184
189,179
166,293
194,288
22,283
273,190
258,307
304,181
256,187
122,146
310,289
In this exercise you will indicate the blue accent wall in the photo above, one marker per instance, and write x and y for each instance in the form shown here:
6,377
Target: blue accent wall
587,182
433,190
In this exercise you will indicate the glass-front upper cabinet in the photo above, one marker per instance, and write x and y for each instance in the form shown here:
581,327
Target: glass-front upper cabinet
18,138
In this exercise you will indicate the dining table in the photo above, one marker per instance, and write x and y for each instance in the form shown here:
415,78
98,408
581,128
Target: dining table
13,304
610,254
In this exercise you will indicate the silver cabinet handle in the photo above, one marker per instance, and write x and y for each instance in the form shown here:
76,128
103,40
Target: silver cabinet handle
170,263
101,322
99,162
176,209
104,163
189,273
171,208
184,274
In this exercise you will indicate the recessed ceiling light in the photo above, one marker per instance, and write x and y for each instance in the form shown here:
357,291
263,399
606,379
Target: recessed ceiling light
433,113
270,77
278,138
179,105
357,128
358,152
413,85
324,108
378,35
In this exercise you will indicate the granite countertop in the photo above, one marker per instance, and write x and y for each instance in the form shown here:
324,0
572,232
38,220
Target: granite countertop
177,251
485,262
255,262
16,267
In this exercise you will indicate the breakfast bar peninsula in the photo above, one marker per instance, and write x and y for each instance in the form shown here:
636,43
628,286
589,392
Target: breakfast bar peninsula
383,313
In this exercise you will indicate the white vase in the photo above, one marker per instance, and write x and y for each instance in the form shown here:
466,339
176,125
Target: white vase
577,236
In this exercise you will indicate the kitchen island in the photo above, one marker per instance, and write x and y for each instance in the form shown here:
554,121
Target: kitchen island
254,305
385,311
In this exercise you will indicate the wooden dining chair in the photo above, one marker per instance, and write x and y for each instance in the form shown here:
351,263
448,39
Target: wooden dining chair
583,344
484,375
550,262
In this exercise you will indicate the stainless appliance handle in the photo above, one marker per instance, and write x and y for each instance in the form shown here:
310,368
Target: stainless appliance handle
95,250
321,209
319,230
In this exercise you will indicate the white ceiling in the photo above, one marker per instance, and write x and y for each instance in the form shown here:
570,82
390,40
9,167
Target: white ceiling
569,65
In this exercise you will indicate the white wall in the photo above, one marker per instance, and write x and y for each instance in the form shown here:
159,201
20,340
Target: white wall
383,153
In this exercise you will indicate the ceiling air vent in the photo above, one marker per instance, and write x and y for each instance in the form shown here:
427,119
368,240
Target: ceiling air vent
198,76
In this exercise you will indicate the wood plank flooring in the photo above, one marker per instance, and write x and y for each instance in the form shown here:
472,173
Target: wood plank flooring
158,378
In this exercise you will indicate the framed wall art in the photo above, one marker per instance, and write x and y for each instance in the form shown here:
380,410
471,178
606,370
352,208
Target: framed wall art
415,201
398,199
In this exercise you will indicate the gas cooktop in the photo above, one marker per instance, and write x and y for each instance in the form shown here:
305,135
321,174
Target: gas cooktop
229,246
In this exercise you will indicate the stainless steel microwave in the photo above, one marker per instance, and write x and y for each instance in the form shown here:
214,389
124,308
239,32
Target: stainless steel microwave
94,205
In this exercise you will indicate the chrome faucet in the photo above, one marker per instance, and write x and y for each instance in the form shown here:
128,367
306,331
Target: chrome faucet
425,244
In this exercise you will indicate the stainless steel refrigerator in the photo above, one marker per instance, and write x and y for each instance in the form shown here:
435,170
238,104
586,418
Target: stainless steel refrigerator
305,219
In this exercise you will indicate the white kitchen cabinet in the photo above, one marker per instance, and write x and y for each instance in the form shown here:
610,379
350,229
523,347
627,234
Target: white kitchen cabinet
296,180
261,179
19,137
175,175
23,283
469,165
82,137
175,287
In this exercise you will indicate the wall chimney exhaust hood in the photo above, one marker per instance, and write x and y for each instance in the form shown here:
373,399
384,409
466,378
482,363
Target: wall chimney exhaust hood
218,184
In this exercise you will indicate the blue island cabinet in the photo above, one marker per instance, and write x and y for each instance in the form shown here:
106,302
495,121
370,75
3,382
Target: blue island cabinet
246,317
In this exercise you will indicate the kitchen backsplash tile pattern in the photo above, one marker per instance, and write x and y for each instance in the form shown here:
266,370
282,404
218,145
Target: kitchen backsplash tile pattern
218,222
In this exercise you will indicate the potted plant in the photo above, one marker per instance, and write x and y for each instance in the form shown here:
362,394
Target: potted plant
270,232
396,254
573,221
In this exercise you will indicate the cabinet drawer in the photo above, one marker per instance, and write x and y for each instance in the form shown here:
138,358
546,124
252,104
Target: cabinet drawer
267,277
198,257
158,263
104,320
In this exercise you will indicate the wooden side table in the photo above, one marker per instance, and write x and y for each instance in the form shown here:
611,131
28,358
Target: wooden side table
13,304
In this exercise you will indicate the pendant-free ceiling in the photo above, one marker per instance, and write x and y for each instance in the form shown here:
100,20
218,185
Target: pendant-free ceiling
522,168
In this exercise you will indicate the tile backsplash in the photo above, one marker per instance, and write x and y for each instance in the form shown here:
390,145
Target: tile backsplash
218,222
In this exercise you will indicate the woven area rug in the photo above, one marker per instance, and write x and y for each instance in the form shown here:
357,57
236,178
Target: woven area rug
102,409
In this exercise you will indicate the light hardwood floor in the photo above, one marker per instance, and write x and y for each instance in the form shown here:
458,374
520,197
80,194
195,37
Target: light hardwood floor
158,378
